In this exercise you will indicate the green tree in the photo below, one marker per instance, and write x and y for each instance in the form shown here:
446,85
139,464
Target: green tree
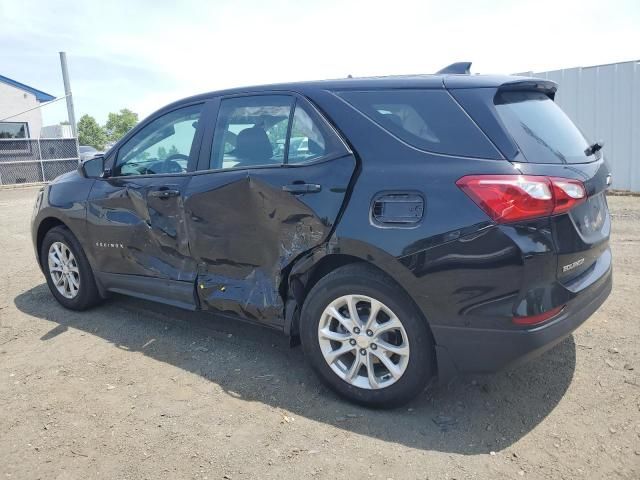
118,124
162,153
172,151
90,133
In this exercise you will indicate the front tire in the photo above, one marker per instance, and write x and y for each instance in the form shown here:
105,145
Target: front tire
365,338
67,270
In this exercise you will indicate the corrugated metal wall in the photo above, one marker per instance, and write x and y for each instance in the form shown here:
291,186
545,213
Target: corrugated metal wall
604,101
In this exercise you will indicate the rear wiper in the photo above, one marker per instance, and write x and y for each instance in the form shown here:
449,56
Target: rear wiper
596,147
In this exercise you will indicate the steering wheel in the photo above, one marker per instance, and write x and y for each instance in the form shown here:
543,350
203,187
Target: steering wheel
171,166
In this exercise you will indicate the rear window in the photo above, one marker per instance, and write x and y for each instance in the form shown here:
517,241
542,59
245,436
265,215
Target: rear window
541,129
426,119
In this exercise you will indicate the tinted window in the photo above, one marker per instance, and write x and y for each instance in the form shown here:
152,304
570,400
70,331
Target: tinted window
541,129
251,131
311,137
260,130
161,147
427,119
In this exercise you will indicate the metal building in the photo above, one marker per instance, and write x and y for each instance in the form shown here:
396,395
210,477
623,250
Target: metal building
604,101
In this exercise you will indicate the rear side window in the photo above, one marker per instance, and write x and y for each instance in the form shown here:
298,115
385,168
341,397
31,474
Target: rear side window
426,119
263,130
251,131
311,137
541,129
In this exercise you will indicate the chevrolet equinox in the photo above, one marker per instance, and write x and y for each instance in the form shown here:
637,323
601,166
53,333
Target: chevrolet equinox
399,227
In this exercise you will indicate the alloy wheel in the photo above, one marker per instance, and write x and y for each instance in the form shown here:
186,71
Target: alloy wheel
63,269
363,342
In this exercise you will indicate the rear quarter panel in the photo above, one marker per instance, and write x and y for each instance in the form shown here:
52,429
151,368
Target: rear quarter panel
455,260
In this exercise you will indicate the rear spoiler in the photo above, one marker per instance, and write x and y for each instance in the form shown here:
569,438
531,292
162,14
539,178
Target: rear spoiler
531,84
519,83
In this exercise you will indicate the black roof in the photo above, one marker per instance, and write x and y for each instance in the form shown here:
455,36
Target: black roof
373,83
391,82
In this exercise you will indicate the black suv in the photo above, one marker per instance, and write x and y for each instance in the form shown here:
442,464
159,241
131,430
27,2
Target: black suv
399,227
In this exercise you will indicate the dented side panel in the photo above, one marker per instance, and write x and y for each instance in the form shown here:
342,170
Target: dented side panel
245,231
135,233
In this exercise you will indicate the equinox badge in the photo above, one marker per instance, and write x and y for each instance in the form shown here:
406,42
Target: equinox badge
573,265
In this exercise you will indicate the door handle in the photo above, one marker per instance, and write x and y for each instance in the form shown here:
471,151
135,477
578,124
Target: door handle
300,188
164,193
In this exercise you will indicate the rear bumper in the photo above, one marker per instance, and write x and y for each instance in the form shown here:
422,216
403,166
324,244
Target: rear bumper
469,350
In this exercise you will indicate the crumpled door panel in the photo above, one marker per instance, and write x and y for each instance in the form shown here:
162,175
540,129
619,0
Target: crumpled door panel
137,234
245,230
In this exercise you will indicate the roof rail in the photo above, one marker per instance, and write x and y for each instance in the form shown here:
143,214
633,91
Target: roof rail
463,68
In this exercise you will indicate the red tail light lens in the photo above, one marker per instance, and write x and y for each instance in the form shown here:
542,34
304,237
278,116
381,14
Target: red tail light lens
539,318
509,198
567,194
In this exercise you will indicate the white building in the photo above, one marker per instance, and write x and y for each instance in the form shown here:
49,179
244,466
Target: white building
15,98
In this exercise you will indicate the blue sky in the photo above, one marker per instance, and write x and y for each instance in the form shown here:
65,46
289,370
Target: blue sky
144,54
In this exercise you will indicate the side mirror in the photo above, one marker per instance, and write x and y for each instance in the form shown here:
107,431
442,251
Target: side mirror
92,168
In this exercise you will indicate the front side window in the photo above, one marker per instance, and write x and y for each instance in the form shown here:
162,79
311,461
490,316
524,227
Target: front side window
161,147
14,130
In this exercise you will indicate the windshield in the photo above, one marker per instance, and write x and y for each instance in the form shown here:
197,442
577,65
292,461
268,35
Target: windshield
544,133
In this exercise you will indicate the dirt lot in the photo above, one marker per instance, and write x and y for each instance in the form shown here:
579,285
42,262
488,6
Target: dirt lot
136,390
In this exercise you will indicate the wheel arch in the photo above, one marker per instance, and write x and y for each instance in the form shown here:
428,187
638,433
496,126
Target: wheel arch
359,271
308,270
45,225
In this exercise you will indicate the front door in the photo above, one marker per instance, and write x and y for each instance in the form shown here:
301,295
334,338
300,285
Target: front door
275,178
135,215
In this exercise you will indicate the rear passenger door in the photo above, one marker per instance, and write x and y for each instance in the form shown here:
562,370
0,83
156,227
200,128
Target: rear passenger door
272,180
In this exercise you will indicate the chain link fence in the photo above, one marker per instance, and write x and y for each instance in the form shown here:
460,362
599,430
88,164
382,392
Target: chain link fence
31,160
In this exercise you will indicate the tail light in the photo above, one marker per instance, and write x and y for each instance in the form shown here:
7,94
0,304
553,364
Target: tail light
532,320
567,194
509,198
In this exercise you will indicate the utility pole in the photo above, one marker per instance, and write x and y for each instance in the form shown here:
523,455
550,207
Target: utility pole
67,92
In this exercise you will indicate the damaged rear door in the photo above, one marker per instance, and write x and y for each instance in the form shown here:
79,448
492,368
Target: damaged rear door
274,178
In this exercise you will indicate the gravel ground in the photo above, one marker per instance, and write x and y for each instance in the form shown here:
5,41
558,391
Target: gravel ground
136,390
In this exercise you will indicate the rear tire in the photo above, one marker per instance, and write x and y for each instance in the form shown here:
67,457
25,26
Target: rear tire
348,356
67,270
